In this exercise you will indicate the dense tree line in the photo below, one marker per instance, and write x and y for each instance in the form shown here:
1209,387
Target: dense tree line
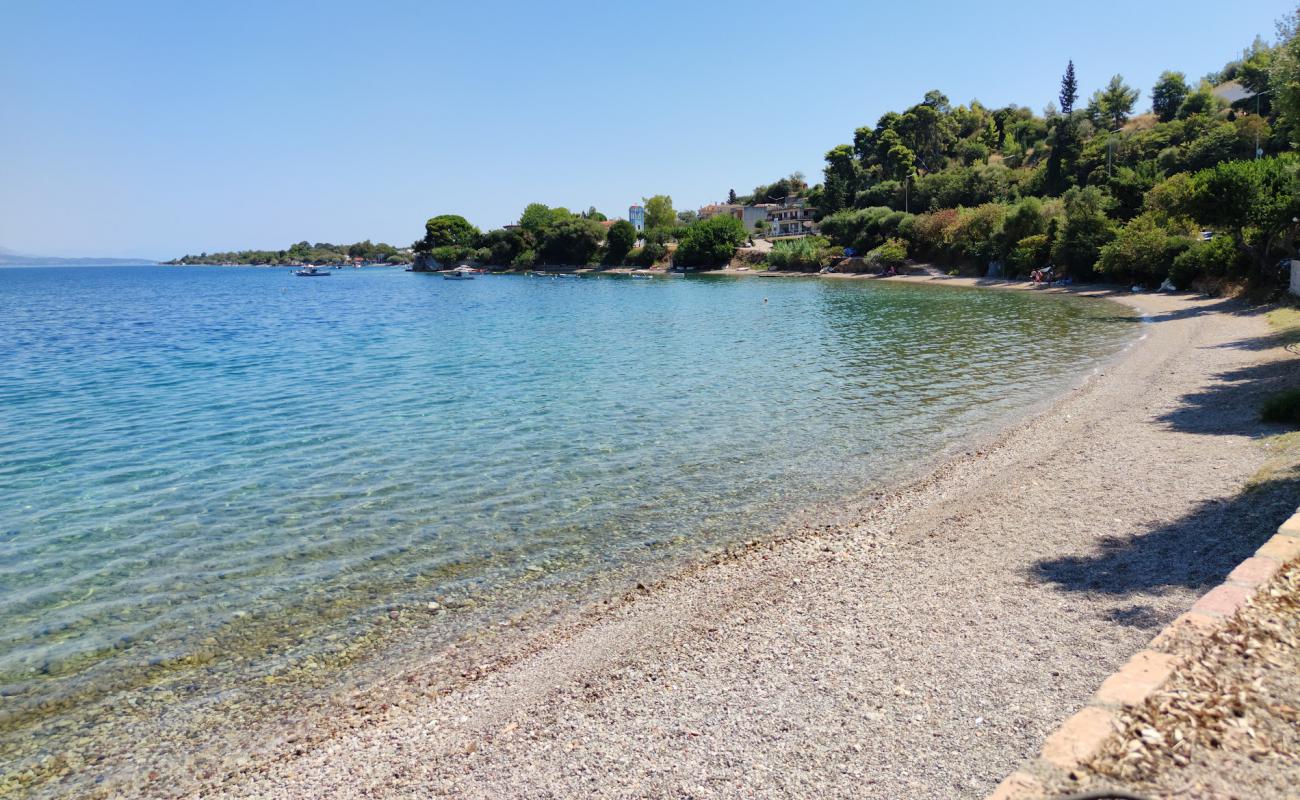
305,253
548,236
1097,189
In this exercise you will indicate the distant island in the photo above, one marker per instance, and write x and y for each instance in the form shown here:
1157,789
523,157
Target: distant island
9,258
304,252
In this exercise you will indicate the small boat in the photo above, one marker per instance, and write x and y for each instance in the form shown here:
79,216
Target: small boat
459,274
311,272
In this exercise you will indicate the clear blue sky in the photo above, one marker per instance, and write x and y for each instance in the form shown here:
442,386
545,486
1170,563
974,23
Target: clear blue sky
155,129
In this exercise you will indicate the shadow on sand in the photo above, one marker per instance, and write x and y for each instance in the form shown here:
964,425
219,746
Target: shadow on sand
1199,549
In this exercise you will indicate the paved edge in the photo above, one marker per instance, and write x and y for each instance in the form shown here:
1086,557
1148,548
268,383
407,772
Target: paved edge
1081,736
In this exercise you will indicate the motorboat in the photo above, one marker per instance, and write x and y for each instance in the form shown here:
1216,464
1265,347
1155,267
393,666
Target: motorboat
311,272
459,274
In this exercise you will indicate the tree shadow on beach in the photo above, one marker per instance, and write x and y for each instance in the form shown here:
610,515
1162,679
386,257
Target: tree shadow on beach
1194,551
1230,406
1200,548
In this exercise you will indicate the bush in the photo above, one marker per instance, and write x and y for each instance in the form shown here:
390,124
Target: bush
1283,407
893,253
449,256
806,254
1030,253
863,228
978,233
526,258
885,193
649,255
1141,251
931,234
1217,258
710,243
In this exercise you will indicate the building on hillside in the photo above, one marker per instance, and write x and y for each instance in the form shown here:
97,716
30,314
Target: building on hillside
749,215
1232,92
636,216
791,219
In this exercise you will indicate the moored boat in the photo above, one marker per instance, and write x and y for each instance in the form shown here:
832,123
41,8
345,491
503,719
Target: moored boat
311,272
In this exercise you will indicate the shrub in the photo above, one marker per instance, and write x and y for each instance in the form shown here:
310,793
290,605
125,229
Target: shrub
893,253
1030,253
1283,407
649,255
885,193
1141,251
449,256
932,233
710,243
977,235
525,259
1217,258
863,228
806,254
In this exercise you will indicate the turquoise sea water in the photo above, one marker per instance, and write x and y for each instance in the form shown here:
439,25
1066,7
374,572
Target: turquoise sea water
220,472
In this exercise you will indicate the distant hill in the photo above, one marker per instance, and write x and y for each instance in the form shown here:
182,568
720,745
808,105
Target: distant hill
8,258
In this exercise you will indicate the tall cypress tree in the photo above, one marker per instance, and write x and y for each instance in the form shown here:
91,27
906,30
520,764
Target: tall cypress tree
1069,89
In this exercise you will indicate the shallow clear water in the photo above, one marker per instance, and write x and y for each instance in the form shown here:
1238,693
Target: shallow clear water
201,466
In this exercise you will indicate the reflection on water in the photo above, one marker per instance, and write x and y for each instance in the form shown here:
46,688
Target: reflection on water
216,476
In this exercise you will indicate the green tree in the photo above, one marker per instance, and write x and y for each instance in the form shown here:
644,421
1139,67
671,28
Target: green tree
447,230
841,179
1023,220
1201,101
1112,105
536,216
1256,202
1069,89
619,241
731,196
1284,76
1168,95
659,211
711,242
1085,230
1141,251
502,247
570,242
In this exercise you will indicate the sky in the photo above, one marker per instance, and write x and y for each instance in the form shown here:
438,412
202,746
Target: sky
155,129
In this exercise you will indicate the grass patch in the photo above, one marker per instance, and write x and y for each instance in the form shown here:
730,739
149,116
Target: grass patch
1283,462
1286,321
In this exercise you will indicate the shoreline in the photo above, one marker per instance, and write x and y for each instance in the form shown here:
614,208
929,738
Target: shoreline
509,710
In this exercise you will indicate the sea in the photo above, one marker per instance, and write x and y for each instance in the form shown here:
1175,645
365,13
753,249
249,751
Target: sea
225,489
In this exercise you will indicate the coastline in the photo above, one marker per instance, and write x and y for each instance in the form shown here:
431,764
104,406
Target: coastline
812,663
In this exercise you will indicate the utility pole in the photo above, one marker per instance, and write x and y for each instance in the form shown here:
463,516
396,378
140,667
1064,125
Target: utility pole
1110,149
1258,151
